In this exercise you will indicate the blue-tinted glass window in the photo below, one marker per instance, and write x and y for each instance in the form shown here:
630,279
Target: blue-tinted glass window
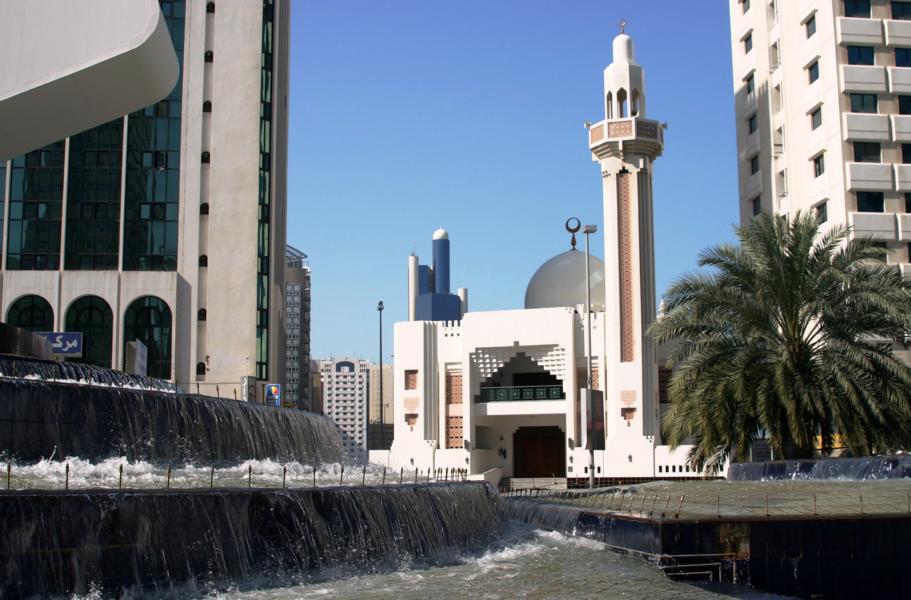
901,11
866,152
2,193
753,123
748,43
908,203
153,171
93,198
857,8
819,165
903,57
906,154
904,105
92,317
870,202
811,26
35,209
863,103
754,165
861,55
813,71
148,319
265,192
755,206
816,118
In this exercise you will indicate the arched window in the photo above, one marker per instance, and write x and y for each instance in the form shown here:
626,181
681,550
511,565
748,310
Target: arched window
93,317
206,157
622,108
210,7
201,315
200,369
209,56
203,260
609,113
207,106
31,312
636,104
148,319
204,208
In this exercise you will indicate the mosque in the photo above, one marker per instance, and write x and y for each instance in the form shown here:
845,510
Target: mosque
504,393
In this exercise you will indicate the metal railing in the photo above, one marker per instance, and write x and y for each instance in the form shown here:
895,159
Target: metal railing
522,392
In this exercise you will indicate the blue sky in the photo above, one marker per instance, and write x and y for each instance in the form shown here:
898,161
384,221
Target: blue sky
409,115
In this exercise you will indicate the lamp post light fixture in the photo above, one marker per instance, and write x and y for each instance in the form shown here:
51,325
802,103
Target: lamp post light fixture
587,231
379,309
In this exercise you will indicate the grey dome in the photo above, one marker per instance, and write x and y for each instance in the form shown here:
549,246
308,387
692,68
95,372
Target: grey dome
561,282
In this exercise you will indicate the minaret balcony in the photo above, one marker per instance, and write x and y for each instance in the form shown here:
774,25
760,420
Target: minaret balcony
631,134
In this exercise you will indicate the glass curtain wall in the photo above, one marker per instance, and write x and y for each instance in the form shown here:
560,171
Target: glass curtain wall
35,209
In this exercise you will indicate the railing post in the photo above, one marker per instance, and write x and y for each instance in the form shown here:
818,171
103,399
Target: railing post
364,475
401,474
766,505
212,477
384,476
66,485
120,482
168,483
718,506
679,506
249,476
284,475
666,503
314,476
9,475
815,512
861,504
341,478
415,475
651,511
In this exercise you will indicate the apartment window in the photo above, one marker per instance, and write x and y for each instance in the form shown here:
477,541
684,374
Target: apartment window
753,123
811,26
906,154
813,71
901,11
819,166
748,43
755,205
816,118
870,202
751,85
903,57
857,8
904,105
754,165
908,203
745,5
861,55
863,103
866,152
822,212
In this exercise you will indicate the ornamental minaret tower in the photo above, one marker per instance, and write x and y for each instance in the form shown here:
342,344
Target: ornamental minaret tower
625,145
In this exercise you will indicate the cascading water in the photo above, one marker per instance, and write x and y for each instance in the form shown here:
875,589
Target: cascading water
855,469
38,418
108,541
55,370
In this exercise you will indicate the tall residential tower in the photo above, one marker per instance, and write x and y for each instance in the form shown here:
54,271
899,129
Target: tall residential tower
167,225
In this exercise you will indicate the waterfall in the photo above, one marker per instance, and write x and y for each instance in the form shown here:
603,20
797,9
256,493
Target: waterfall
65,543
856,469
55,370
95,423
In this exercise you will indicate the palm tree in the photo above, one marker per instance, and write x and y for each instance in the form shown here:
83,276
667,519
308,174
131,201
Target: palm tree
790,334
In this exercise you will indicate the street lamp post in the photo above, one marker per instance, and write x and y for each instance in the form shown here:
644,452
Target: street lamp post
587,231
379,309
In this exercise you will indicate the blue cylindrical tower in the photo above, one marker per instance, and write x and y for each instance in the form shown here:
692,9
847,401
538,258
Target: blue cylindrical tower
441,261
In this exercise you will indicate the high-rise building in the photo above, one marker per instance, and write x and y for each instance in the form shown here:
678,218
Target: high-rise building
316,388
297,330
429,297
346,387
823,105
167,225
380,436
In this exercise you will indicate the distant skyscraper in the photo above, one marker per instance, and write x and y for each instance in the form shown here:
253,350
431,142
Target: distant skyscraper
297,329
822,97
380,437
429,297
167,225
346,387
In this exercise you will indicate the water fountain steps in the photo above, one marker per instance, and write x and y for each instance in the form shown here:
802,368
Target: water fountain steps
818,557
72,543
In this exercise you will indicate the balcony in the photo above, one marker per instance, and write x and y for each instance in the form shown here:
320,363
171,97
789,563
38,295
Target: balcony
903,178
904,227
880,226
868,32
521,393
866,127
870,176
900,80
898,33
901,128
862,78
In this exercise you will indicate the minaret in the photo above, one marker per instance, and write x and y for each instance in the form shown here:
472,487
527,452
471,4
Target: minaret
626,144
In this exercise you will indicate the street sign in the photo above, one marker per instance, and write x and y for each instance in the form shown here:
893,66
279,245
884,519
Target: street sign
274,394
65,343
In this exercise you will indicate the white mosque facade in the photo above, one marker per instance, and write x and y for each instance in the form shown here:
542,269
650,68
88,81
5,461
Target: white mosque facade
502,393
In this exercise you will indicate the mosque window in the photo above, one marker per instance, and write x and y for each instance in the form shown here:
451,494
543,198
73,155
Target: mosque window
861,55
901,11
857,8
813,71
816,118
609,113
811,26
637,99
622,106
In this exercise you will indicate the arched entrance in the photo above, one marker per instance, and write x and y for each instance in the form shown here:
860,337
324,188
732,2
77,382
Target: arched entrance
539,452
31,312
92,316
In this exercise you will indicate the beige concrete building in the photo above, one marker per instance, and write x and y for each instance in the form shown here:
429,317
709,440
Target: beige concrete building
346,385
297,330
167,225
823,105
380,438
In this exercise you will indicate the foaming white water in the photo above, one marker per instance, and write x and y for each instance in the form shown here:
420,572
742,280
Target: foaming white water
51,473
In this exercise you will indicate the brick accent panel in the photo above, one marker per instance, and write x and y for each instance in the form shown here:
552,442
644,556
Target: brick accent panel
625,247
453,388
454,432
596,133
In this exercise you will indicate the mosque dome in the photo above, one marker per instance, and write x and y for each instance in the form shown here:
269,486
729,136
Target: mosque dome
561,282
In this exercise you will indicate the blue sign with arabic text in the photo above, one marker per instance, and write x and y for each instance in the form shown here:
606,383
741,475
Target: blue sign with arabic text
66,343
